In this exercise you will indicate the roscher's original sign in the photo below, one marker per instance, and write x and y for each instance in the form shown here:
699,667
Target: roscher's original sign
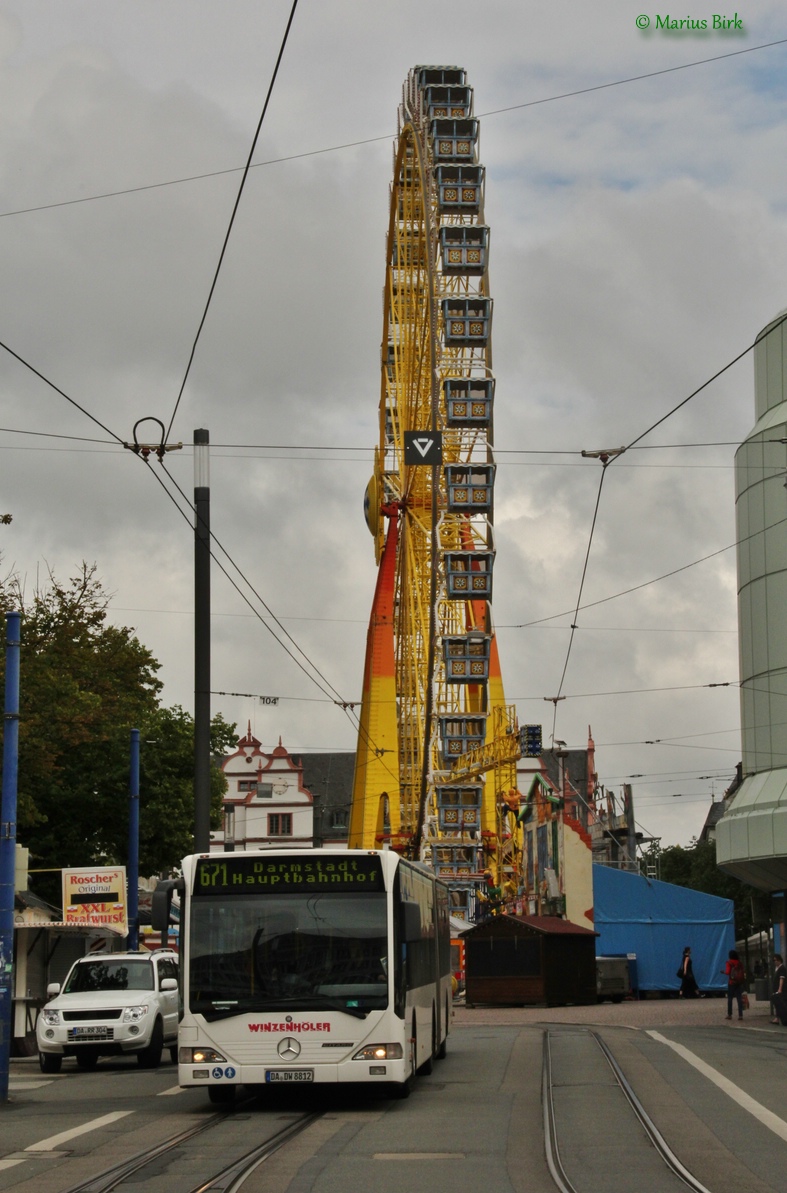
96,898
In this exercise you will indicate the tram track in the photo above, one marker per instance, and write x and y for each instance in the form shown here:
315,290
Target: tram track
558,1130
228,1179
231,1178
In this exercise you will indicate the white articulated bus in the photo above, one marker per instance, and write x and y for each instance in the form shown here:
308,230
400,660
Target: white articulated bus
309,966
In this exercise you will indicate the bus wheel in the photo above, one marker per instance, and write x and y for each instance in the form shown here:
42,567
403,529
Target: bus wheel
222,1095
441,1051
400,1090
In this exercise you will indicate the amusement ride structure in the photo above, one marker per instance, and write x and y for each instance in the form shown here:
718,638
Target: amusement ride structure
435,774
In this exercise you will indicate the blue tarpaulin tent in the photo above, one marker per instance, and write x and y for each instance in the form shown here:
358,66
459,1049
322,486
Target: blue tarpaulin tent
656,920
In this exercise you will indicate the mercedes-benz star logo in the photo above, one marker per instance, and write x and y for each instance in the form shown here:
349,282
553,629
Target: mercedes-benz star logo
288,1048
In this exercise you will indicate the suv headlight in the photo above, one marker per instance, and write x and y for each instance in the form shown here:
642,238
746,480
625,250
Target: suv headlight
134,1014
50,1018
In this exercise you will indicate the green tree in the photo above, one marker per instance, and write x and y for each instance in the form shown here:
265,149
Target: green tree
84,684
695,867
166,785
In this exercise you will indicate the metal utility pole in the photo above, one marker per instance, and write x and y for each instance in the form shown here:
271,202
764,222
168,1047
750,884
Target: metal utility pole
8,842
133,843
631,828
201,643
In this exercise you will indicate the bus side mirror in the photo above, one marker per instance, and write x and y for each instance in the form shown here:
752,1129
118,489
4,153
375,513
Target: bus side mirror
161,904
411,923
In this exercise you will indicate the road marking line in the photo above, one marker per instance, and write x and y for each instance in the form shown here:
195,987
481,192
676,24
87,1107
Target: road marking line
174,1089
38,1156
760,1112
47,1145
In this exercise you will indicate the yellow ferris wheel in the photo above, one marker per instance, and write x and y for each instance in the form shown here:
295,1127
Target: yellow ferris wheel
429,777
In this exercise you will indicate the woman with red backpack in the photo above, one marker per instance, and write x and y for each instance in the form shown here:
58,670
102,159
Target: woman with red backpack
735,981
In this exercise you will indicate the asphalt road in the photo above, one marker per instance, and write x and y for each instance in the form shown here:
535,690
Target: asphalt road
715,1089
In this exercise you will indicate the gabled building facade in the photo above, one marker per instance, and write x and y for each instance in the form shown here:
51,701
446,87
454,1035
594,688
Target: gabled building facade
266,805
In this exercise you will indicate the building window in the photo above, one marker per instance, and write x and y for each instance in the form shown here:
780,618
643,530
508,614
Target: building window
339,819
280,824
247,784
265,791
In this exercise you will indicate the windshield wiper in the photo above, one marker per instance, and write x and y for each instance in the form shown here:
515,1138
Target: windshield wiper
311,1002
225,1008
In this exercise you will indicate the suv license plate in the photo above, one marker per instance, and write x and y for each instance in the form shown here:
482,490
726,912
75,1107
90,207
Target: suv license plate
88,1033
289,1074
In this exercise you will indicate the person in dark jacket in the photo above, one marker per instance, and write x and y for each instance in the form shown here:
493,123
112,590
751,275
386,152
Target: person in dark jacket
688,983
736,977
779,997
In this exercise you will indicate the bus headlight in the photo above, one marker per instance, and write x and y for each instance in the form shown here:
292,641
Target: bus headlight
380,1052
199,1056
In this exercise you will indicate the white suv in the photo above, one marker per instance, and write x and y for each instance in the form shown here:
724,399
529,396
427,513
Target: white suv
111,1003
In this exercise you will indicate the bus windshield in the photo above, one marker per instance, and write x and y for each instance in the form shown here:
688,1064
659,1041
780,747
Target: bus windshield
289,951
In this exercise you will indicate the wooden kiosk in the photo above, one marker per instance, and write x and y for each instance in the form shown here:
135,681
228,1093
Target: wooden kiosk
530,960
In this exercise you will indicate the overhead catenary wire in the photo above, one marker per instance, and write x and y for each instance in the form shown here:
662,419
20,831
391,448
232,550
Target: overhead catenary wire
254,612
132,190
234,584
348,707
317,678
589,545
645,583
776,323
257,595
36,372
610,458
559,695
232,218
520,625
364,449
688,687
651,74
516,699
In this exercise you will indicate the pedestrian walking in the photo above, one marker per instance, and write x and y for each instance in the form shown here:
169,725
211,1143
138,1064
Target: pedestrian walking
779,997
688,983
736,977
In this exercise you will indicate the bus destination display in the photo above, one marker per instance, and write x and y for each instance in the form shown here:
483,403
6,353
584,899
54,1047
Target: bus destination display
245,873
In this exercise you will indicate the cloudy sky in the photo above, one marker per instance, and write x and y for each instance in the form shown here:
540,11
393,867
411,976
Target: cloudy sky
639,243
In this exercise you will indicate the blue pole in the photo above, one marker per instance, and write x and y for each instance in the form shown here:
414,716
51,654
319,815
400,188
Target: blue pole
133,843
8,842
